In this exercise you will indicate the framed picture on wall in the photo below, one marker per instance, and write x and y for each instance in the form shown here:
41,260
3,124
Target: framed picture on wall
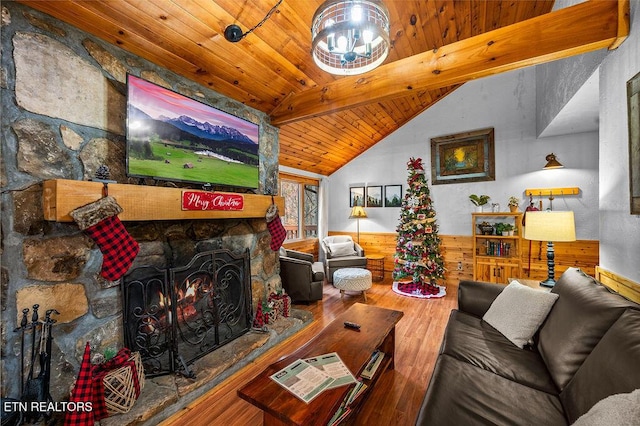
463,157
356,196
374,196
392,195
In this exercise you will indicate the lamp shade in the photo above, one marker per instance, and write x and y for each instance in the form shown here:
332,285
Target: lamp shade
552,162
357,212
550,226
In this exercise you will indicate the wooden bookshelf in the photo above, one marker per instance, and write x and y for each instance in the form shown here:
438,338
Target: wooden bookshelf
496,258
141,202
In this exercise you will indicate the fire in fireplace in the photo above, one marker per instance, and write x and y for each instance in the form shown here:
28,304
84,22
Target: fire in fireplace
175,316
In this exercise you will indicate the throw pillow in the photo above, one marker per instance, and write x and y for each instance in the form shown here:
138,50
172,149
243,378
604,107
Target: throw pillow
619,409
342,249
519,311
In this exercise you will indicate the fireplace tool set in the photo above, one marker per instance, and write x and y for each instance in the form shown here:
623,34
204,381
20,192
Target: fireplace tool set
36,386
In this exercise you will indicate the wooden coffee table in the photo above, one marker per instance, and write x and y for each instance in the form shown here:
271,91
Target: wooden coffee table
377,331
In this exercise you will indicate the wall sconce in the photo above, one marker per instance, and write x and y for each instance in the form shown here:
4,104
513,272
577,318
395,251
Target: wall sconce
552,162
357,212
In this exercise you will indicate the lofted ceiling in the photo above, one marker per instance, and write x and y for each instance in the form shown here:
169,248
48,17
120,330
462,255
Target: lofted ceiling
325,121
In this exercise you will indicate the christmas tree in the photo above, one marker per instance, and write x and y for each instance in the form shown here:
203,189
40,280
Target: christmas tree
418,263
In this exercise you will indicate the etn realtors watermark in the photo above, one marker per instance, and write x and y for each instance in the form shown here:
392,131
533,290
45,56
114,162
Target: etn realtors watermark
46,407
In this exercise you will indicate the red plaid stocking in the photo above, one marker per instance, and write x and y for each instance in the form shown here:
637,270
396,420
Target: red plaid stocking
100,221
82,392
118,248
275,227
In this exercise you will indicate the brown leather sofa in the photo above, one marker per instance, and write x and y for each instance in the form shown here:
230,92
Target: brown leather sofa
587,349
302,278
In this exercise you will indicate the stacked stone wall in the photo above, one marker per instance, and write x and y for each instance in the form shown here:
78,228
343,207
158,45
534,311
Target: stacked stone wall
63,115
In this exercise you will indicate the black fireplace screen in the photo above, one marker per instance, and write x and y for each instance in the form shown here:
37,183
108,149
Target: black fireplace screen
175,316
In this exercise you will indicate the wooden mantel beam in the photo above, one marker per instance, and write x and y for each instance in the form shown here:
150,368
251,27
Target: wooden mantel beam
582,28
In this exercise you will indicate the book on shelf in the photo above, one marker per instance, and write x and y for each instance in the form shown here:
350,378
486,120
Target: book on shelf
357,390
339,415
345,407
373,364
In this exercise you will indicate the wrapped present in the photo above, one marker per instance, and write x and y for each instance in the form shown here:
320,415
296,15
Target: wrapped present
117,384
281,303
258,321
270,314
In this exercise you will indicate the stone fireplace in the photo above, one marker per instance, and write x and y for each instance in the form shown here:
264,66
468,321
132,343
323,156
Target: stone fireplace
62,119
176,316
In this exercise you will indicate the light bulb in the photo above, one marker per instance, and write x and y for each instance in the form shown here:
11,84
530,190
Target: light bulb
356,13
331,42
367,36
342,43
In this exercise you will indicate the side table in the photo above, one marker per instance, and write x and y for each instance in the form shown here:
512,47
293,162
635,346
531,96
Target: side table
375,263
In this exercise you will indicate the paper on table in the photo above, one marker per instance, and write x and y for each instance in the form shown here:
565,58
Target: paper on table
303,380
332,365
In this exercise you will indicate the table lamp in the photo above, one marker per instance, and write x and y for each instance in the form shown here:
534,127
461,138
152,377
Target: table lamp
550,226
357,212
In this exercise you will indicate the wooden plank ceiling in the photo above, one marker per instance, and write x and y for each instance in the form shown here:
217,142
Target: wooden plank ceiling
272,67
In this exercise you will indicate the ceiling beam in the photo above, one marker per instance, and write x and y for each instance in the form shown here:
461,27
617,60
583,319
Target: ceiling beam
567,32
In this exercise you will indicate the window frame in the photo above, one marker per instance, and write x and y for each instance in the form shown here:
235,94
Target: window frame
301,181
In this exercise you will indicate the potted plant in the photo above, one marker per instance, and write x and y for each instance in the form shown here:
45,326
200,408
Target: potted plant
499,227
507,229
479,201
485,228
514,202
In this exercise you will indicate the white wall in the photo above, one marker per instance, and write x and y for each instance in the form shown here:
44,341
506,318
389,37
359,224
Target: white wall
619,230
505,102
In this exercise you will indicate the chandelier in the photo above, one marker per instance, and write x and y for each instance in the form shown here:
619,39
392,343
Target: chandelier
350,36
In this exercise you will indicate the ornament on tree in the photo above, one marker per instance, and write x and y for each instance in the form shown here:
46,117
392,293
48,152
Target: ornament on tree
418,262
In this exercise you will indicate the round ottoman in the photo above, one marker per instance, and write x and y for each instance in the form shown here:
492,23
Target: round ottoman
352,279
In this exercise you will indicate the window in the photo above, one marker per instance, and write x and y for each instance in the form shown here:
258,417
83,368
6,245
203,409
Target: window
301,206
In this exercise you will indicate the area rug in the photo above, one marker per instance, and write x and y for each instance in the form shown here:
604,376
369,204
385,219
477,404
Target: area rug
410,290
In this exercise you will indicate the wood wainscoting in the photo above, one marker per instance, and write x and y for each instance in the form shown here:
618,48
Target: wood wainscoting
455,249
619,284
583,254
308,245
458,257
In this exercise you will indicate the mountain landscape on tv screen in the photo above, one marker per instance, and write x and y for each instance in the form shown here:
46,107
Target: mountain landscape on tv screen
207,130
223,139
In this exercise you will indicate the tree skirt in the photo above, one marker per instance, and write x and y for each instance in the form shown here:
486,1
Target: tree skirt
412,290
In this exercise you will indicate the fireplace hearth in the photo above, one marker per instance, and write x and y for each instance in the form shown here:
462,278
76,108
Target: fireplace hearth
178,315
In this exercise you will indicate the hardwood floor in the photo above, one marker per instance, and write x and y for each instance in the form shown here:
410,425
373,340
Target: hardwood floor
396,398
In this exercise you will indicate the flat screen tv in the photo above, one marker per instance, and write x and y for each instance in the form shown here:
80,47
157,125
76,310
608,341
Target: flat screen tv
175,138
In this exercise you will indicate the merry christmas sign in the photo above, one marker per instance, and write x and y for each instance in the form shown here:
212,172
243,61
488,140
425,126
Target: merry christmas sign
196,200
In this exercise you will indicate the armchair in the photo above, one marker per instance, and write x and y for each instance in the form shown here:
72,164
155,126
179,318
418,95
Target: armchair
302,278
340,251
